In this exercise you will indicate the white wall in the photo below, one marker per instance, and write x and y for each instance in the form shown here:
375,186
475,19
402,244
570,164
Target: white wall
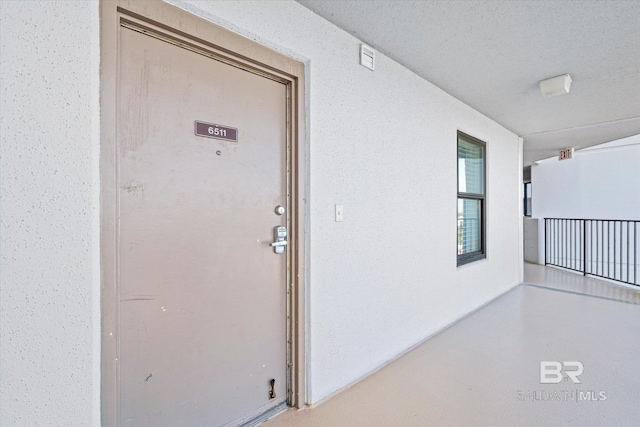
382,143
601,182
531,239
49,283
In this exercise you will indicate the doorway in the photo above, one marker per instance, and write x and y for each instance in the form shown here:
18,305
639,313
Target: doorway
201,224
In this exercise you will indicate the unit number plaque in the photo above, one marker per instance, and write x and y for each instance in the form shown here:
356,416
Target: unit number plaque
212,130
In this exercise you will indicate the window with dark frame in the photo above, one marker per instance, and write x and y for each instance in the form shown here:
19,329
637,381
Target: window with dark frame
471,199
527,199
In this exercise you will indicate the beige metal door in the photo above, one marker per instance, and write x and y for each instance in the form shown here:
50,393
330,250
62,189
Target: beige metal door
202,295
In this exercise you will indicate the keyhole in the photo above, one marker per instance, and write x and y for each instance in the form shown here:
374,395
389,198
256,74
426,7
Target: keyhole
272,392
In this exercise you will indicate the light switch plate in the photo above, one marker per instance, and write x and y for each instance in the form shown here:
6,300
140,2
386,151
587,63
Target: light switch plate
339,213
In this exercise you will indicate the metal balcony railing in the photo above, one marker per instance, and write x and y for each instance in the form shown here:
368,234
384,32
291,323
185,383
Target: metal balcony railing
596,247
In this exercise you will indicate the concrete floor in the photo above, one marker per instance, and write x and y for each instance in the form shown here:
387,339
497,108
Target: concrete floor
485,369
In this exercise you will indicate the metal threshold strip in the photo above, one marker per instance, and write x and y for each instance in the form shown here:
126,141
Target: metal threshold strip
267,415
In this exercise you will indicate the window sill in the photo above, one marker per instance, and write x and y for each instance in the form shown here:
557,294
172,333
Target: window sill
469,258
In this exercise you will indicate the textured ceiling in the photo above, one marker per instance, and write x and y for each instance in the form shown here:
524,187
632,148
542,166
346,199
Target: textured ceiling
491,55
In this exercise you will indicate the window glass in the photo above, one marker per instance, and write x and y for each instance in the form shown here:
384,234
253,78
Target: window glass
527,199
470,167
469,217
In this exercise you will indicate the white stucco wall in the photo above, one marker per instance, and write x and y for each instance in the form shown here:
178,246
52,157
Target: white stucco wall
49,217
531,239
383,144
600,182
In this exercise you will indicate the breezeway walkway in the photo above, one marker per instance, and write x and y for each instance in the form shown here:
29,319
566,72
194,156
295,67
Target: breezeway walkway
485,369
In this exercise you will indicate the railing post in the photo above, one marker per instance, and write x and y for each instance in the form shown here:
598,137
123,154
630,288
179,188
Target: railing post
584,247
545,241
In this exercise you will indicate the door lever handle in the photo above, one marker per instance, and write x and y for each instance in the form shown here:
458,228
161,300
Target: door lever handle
279,244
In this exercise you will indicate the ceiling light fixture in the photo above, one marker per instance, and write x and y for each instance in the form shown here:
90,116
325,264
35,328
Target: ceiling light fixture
554,86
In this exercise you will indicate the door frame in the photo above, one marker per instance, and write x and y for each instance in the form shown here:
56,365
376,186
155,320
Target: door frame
169,23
